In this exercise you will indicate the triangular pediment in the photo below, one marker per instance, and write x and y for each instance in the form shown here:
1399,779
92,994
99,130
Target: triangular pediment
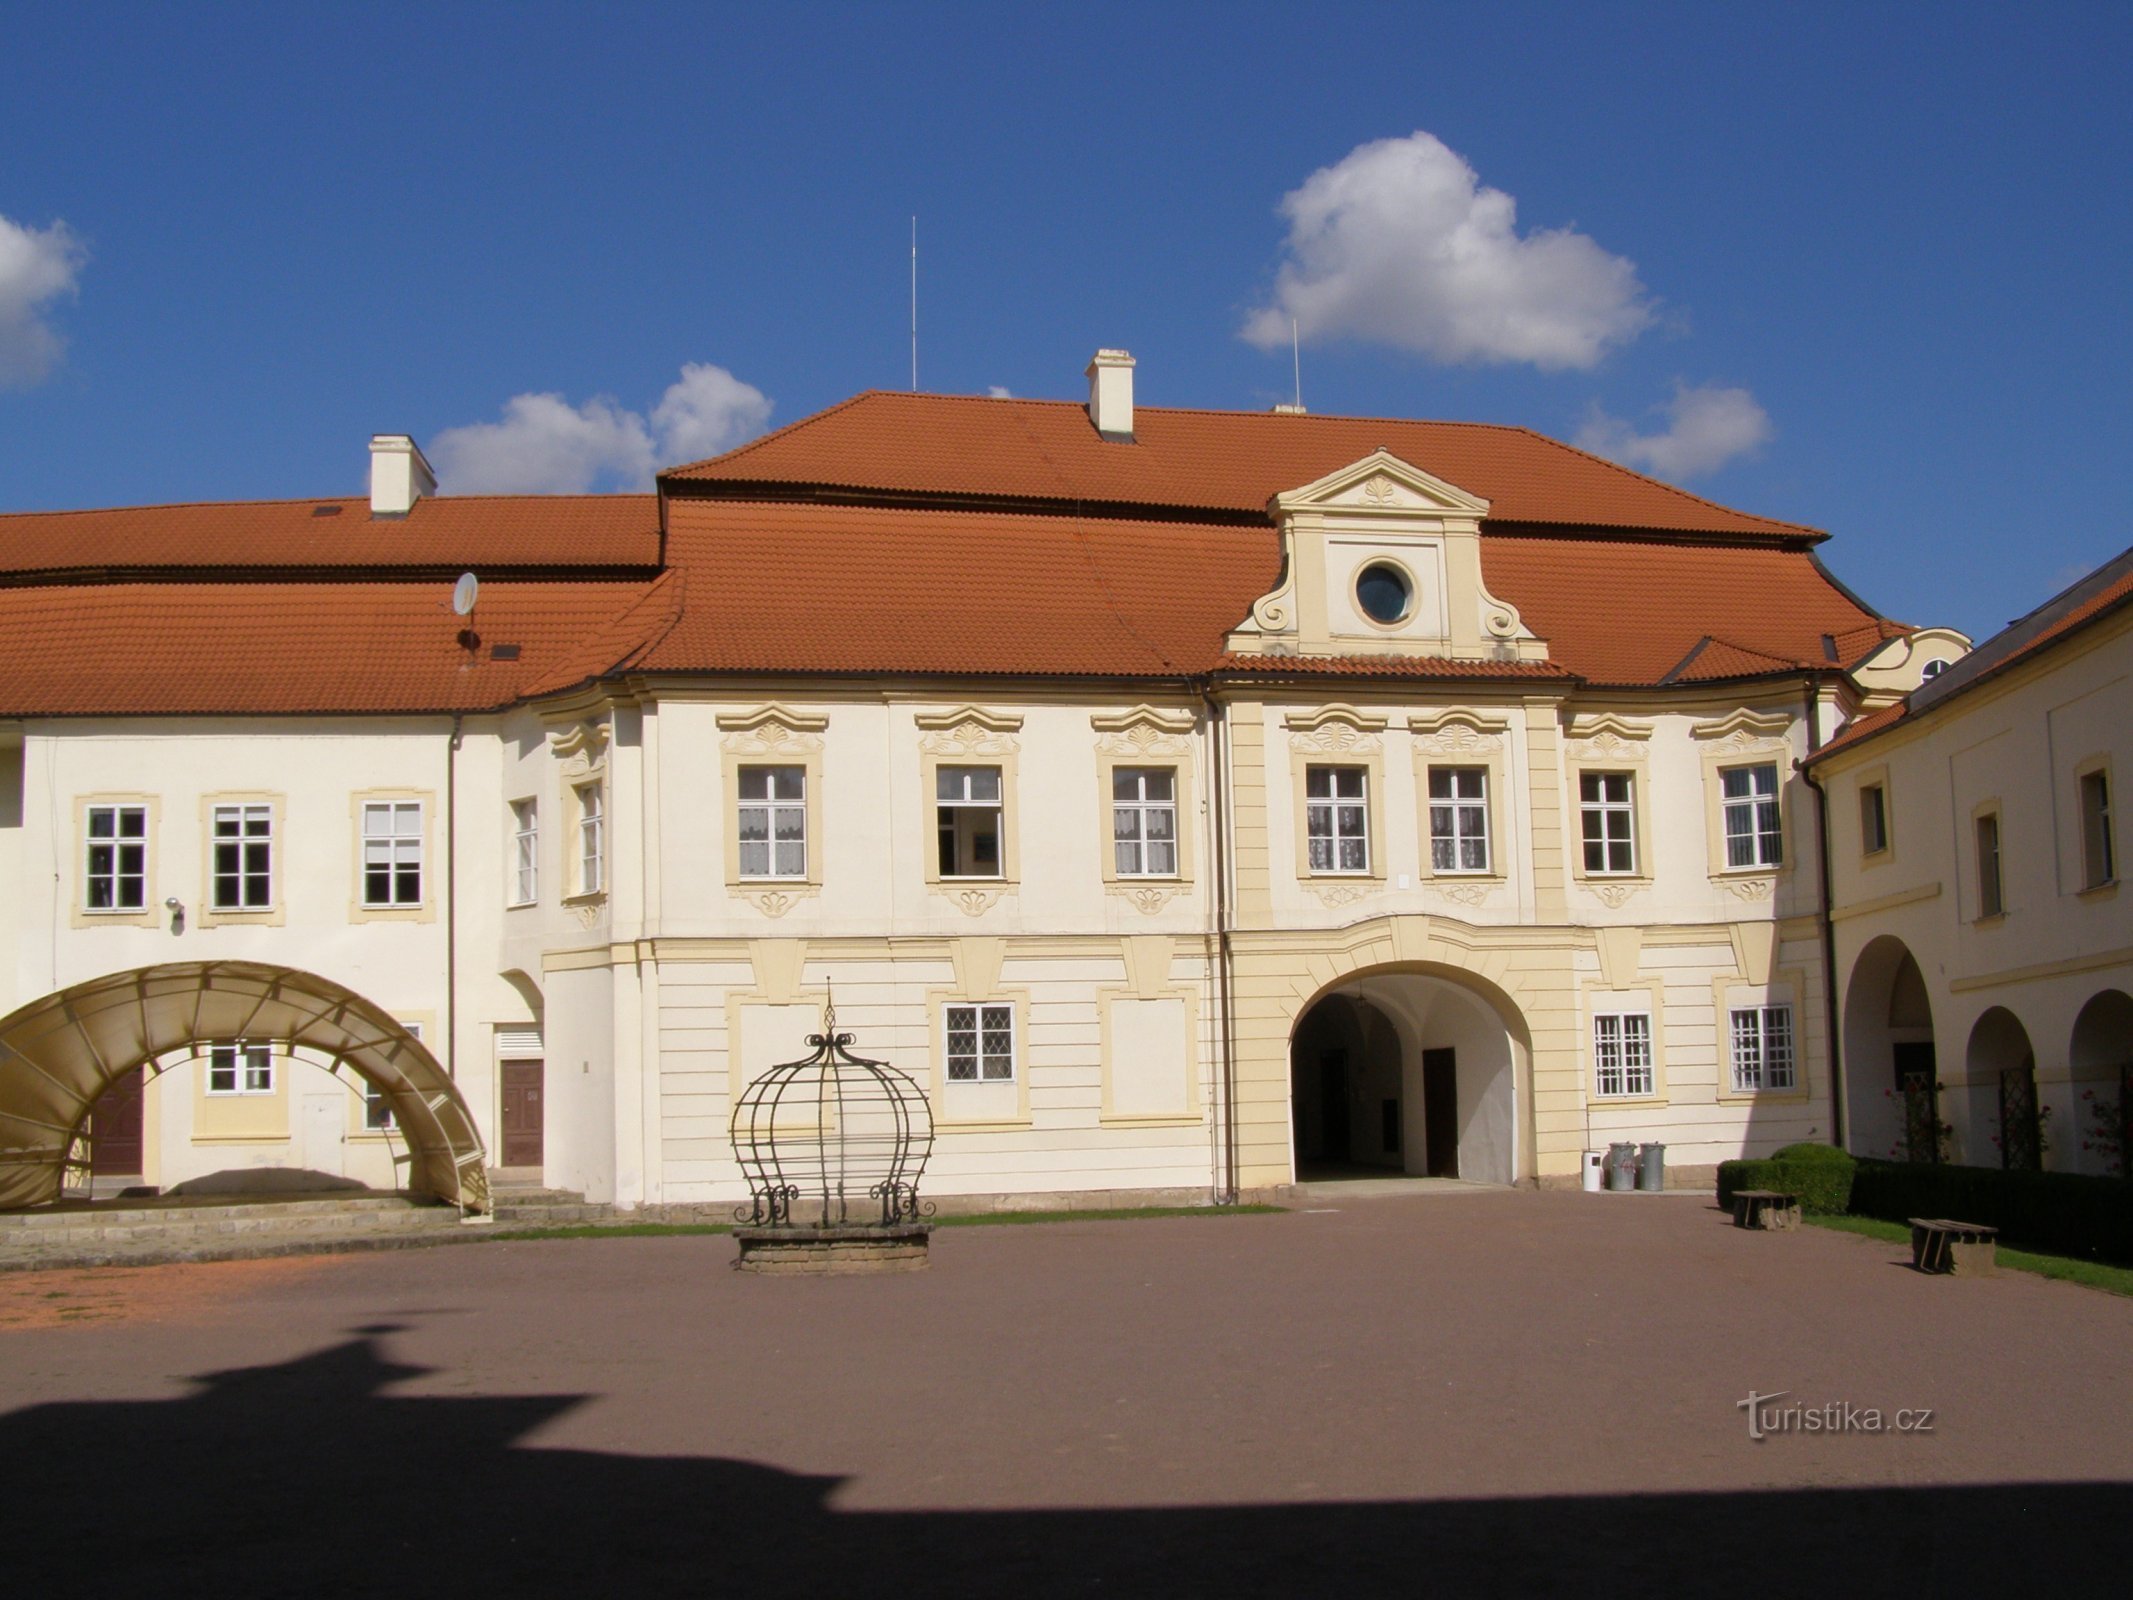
1381,484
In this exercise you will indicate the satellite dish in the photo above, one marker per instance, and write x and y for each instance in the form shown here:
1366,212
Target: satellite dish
464,593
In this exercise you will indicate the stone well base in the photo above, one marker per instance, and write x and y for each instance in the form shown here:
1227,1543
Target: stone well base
898,1248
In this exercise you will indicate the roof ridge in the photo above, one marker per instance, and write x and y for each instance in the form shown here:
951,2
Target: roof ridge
762,439
1661,483
193,505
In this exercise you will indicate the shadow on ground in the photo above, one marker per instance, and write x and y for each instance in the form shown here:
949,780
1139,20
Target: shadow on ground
309,1478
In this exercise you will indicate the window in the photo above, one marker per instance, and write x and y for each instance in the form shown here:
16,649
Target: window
981,1043
1144,821
115,875
1337,819
968,813
392,853
240,1067
592,838
1459,819
377,1110
1989,903
1607,801
773,822
244,858
1762,1047
1873,819
1750,797
525,852
2099,864
1622,1054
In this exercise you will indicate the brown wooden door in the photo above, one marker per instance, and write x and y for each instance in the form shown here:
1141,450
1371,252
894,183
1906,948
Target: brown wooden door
522,1118
1440,1112
115,1129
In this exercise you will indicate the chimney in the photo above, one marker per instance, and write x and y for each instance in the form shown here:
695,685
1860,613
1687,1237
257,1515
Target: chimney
399,475
1111,395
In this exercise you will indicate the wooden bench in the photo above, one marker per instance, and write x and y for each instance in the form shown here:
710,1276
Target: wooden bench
1961,1249
1769,1209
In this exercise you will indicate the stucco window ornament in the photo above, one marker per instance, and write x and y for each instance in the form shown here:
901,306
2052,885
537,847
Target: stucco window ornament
832,1141
974,902
771,731
1335,731
1749,889
1335,895
1467,894
1613,895
776,902
968,731
582,748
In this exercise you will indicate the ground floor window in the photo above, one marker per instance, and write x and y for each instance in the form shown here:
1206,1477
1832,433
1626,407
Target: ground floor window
981,1043
1762,1047
1622,1054
240,1067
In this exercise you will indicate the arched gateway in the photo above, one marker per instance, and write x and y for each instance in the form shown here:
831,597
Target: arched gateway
60,1053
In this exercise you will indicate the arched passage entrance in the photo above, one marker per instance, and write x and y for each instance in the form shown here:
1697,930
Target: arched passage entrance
59,1054
1891,1071
2099,1059
2002,1102
1408,1070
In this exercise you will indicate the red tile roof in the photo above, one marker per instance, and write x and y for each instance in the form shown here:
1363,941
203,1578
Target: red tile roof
1226,461
455,531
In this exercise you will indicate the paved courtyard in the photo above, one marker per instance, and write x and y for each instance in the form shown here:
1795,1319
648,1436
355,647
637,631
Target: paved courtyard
1494,1392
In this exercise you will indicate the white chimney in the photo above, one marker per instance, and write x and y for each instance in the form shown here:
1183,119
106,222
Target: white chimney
1111,395
399,475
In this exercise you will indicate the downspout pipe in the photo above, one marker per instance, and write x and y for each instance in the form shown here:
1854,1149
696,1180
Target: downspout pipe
1828,921
1225,962
451,899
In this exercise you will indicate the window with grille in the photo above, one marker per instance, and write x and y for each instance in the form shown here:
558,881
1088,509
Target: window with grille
1873,819
1144,822
1459,819
1337,819
1607,805
392,853
525,852
592,838
240,1067
115,869
244,857
1762,1048
2099,864
1753,838
773,824
968,814
981,1043
1622,1054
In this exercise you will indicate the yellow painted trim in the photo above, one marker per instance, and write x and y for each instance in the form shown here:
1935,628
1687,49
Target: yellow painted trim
1887,902
275,913
2044,969
432,866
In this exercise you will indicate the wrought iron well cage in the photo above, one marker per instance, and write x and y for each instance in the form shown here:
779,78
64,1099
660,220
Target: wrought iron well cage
833,1140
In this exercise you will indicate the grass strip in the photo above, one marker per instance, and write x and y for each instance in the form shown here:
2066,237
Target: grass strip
2089,1274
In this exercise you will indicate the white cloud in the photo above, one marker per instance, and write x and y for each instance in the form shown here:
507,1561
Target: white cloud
1399,244
999,392
37,267
1706,427
545,445
708,411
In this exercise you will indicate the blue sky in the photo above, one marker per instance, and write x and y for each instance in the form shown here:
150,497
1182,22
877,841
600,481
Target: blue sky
1874,258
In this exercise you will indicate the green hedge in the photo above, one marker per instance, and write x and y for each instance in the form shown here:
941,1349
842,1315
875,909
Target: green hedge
2059,1213
1821,1175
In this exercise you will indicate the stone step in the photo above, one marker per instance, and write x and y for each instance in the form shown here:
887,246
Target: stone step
200,1233
104,1215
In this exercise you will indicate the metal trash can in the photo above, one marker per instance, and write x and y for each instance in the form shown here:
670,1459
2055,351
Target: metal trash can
1595,1171
1651,1168
1621,1168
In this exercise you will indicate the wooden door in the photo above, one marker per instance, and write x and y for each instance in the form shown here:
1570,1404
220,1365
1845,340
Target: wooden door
115,1129
1440,1112
522,1114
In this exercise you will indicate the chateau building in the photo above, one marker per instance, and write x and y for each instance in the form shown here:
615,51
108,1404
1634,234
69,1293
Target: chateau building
1184,799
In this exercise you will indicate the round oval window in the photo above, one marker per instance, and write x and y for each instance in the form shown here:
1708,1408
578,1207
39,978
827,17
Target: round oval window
1385,593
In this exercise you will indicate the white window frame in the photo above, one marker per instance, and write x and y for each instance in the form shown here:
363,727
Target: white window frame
2099,850
1458,819
773,810
1622,1053
982,1023
1606,821
1325,815
1142,823
525,852
1765,1053
248,1064
592,837
114,876
397,849
1754,828
252,840
949,814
